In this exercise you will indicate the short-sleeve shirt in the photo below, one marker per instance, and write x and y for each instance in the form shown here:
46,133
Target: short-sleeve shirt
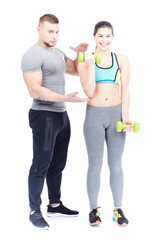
52,64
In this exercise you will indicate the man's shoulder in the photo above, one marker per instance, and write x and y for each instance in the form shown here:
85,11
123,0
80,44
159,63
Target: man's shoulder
33,50
34,53
32,59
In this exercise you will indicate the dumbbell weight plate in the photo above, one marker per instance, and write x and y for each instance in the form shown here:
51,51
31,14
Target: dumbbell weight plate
81,57
136,127
98,58
119,126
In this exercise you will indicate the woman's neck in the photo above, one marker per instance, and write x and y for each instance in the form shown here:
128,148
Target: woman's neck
104,53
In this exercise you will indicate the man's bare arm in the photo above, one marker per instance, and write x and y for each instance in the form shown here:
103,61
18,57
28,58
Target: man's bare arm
34,84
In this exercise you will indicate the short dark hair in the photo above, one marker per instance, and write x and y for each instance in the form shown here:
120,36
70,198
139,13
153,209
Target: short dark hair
102,24
49,18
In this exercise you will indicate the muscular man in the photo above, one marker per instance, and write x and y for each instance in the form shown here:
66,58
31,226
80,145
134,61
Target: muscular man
43,69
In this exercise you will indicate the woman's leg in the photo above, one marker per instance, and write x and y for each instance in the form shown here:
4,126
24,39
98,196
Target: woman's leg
94,134
115,146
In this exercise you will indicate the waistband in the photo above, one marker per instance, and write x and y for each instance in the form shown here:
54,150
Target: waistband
104,108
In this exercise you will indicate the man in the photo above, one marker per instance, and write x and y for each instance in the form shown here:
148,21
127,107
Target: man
43,71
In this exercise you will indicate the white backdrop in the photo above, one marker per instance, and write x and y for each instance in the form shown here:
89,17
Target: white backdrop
136,27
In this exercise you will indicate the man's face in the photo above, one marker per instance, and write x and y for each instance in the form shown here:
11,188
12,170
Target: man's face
48,33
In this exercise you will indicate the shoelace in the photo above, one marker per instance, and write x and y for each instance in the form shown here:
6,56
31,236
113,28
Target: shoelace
121,212
95,212
37,215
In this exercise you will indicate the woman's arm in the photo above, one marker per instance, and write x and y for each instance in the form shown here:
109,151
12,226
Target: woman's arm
86,72
125,96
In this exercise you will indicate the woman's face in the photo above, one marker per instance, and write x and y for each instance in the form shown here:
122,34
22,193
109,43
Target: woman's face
103,38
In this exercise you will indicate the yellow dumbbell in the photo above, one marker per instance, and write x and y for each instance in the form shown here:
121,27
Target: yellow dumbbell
81,57
120,126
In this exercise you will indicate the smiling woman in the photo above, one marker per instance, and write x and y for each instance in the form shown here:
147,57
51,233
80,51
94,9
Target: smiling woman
105,107
136,34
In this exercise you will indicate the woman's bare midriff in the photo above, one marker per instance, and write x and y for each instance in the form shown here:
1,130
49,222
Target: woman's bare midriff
105,95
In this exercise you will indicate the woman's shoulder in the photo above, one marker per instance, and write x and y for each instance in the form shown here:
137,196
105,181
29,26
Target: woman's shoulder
122,58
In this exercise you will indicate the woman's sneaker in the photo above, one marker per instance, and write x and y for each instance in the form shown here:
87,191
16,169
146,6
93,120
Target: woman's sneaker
37,220
94,218
119,218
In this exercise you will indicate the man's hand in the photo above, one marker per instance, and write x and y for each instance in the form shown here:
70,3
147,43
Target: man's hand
71,97
82,47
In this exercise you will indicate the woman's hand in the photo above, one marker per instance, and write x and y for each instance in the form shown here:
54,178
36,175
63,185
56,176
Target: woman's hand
89,59
128,122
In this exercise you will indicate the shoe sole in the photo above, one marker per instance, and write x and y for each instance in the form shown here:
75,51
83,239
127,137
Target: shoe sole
95,223
39,228
60,215
121,225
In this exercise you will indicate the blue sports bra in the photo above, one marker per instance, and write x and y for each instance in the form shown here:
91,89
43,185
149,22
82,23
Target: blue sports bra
108,75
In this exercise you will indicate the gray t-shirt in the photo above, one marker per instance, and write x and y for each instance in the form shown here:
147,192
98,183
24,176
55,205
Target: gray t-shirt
52,64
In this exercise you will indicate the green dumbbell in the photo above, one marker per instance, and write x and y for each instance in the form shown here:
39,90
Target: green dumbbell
81,57
120,126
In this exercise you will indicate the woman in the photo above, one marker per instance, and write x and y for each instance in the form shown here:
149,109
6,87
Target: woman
105,107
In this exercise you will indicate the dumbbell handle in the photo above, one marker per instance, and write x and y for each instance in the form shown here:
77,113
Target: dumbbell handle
126,125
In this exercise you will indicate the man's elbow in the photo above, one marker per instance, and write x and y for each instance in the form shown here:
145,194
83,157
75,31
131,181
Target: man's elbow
33,93
73,71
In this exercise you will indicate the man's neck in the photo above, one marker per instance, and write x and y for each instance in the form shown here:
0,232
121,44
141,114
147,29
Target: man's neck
44,45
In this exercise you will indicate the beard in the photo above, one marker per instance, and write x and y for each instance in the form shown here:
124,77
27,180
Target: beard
49,45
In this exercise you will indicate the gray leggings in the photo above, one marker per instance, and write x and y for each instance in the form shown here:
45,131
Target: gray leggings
100,125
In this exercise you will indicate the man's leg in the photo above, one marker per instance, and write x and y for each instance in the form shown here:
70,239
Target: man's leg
45,129
59,158
54,174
